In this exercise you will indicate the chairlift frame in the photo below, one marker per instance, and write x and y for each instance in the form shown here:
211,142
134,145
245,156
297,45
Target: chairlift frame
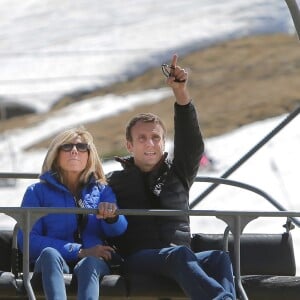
235,220
295,13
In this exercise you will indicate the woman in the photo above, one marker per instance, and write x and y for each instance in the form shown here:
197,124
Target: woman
72,175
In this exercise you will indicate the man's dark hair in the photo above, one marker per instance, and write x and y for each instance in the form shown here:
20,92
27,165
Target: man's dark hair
145,118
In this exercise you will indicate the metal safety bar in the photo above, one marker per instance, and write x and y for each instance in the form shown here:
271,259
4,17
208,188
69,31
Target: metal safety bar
248,187
215,180
235,220
18,175
245,157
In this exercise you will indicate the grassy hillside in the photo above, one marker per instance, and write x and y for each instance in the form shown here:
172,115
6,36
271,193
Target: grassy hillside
232,84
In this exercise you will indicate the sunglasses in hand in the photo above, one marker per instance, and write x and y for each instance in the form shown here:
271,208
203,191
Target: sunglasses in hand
167,71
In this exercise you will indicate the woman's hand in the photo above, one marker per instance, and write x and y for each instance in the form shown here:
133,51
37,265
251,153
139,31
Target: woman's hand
106,210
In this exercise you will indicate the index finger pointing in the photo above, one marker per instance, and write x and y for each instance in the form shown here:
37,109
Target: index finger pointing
174,60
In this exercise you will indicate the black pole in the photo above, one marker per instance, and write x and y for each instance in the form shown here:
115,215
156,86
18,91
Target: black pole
295,13
294,10
281,125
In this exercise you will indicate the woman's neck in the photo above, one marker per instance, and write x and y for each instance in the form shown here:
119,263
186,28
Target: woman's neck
72,183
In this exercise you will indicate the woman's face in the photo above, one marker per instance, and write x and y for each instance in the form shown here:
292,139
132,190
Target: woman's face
73,161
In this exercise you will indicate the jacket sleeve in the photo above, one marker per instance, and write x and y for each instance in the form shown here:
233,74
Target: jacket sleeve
188,143
38,240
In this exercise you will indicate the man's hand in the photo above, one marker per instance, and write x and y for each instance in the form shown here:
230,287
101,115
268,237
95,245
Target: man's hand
178,82
177,74
100,251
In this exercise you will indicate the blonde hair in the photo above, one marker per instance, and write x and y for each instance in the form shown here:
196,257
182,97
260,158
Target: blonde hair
94,164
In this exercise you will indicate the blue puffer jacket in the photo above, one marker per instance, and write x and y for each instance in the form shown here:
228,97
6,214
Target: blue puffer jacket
57,230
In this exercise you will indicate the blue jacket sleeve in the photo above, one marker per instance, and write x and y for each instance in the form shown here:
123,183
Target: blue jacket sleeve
38,240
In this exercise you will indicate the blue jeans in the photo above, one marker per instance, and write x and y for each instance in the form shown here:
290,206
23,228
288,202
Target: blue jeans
88,271
205,275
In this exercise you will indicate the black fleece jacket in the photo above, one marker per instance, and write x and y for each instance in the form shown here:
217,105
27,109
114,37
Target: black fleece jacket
165,187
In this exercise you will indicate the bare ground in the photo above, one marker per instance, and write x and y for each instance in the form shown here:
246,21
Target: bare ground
232,84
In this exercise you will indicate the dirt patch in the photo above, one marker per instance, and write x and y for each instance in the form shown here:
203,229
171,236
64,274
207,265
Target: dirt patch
232,84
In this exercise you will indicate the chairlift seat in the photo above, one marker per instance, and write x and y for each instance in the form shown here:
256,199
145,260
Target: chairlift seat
267,268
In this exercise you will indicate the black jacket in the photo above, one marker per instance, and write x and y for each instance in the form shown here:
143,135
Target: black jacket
165,187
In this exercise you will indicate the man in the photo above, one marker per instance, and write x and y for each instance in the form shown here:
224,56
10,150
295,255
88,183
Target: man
161,245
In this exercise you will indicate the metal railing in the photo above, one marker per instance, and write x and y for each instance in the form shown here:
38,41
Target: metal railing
248,187
245,157
236,222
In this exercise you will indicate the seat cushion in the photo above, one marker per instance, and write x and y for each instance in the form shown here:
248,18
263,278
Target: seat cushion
264,287
8,285
150,286
261,254
5,250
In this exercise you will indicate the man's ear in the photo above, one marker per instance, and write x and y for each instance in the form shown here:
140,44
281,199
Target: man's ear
129,146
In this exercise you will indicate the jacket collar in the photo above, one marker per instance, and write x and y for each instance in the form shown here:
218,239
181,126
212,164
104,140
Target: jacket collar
155,178
128,162
51,177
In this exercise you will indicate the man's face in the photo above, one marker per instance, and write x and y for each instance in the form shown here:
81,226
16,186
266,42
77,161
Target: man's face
147,145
